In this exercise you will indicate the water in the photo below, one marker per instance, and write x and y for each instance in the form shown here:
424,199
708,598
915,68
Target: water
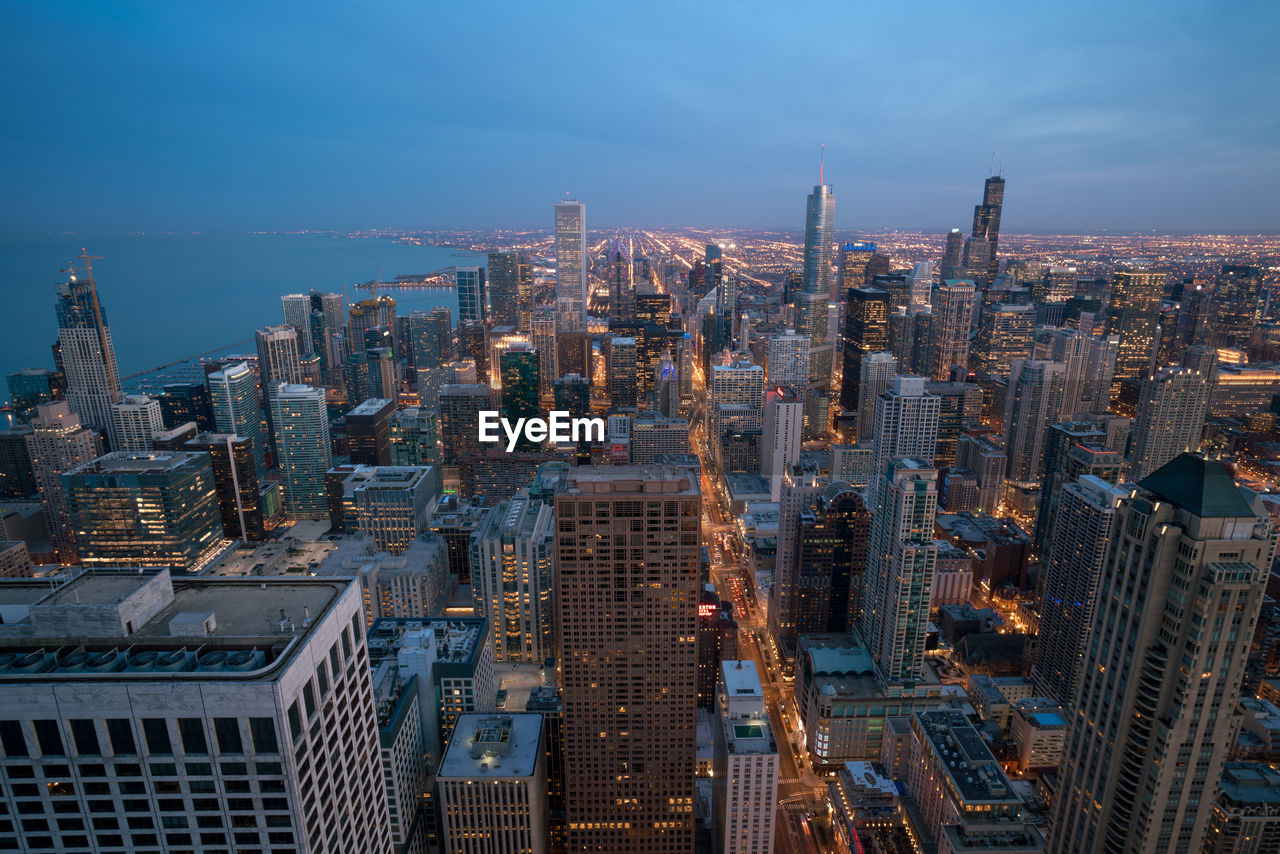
170,297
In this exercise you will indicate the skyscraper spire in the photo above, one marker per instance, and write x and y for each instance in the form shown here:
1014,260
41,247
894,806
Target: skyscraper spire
822,156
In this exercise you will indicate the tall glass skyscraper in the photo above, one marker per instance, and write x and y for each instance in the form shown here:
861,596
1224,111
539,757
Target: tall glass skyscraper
504,284
233,394
88,355
812,305
302,444
471,295
571,265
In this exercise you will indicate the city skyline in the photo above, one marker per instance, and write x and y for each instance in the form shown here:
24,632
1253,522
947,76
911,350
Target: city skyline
193,140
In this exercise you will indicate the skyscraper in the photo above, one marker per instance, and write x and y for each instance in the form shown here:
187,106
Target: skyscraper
369,432
788,361
1154,716
303,448
780,442
240,501
906,426
1080,535
328,321
1236,307
1004,334
1133,314
627,608
542,332
472,295
504,288
297,313
854,258
866,331
812,305
571,265
745,773
135,418
460,407
876,377
233,395
519,365
1171,412
984,240
622,368
953,256
58,443
622,287
144,509
30,387
88,355
900,565
278,355
949,332
1033,403
513,575
379,312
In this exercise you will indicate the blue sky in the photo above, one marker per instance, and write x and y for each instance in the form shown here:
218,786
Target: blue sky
229,115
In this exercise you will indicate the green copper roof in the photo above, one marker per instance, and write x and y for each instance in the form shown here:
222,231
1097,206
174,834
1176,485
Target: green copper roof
1203,487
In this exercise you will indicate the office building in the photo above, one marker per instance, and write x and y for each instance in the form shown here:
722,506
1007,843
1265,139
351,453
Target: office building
573,394
135,419
303,449
959,408
17,478
854,258
739,384
1133,314
414,438
831,544
58,443
233,396
866,331
1171,412
143,644
631,789
984,239
242,504
430,337
181,403
1004,335
513,578
30,387
278,355
88,356
781,436
369,432
623,380
1236,306
900,564
1071,450
964,796
392,504
745,779
952,316
1160,676
1080,535
654,435
520,367
717,641
369,314
460,408
472,295
296,309
571,265
504,289
492,786
541,326
149,509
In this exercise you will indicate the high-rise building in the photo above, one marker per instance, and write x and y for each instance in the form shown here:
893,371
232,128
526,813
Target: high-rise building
493,786
430,335
393,504
135,418
984,239
1133,314
812,305
799,488
952,263
1236,307
144,509
279,669
369,432
1072,450
654,435
460,407
279,359
181,403
30,387
87,352
866,331
1004,334
59,443
831,546
623,381
1243,820
745,775
473,303
781,435
17,479
573,394
906,426
504,289
949,330
541,326
376,313
1080,535
788,360
303,448
622,288
233,396
1171,412
519,366
1153,719
513,576
571,265
240,500
1033,403
900,565
328,320
877,373
297,314
854,258
415,438
628,660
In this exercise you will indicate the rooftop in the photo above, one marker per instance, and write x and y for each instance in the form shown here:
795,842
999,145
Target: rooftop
1205,488
129,462
957,747
493,746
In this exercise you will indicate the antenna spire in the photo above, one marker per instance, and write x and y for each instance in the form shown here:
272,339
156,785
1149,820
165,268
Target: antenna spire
992,169
822,156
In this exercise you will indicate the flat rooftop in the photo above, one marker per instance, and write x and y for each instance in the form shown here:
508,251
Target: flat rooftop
488,746
372,406
741,679
958,747
650,479
127,462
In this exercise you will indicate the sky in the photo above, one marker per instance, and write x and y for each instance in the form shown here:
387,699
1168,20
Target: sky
1121,116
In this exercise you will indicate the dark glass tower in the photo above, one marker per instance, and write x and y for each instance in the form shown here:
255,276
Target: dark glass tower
866,331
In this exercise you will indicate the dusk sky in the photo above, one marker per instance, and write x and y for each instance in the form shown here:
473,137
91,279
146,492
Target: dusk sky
227,115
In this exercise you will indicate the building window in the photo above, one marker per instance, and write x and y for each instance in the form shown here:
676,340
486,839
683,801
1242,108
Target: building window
121,734
49,737
228,732
12,739
191,730
85,735
263,731
156,732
